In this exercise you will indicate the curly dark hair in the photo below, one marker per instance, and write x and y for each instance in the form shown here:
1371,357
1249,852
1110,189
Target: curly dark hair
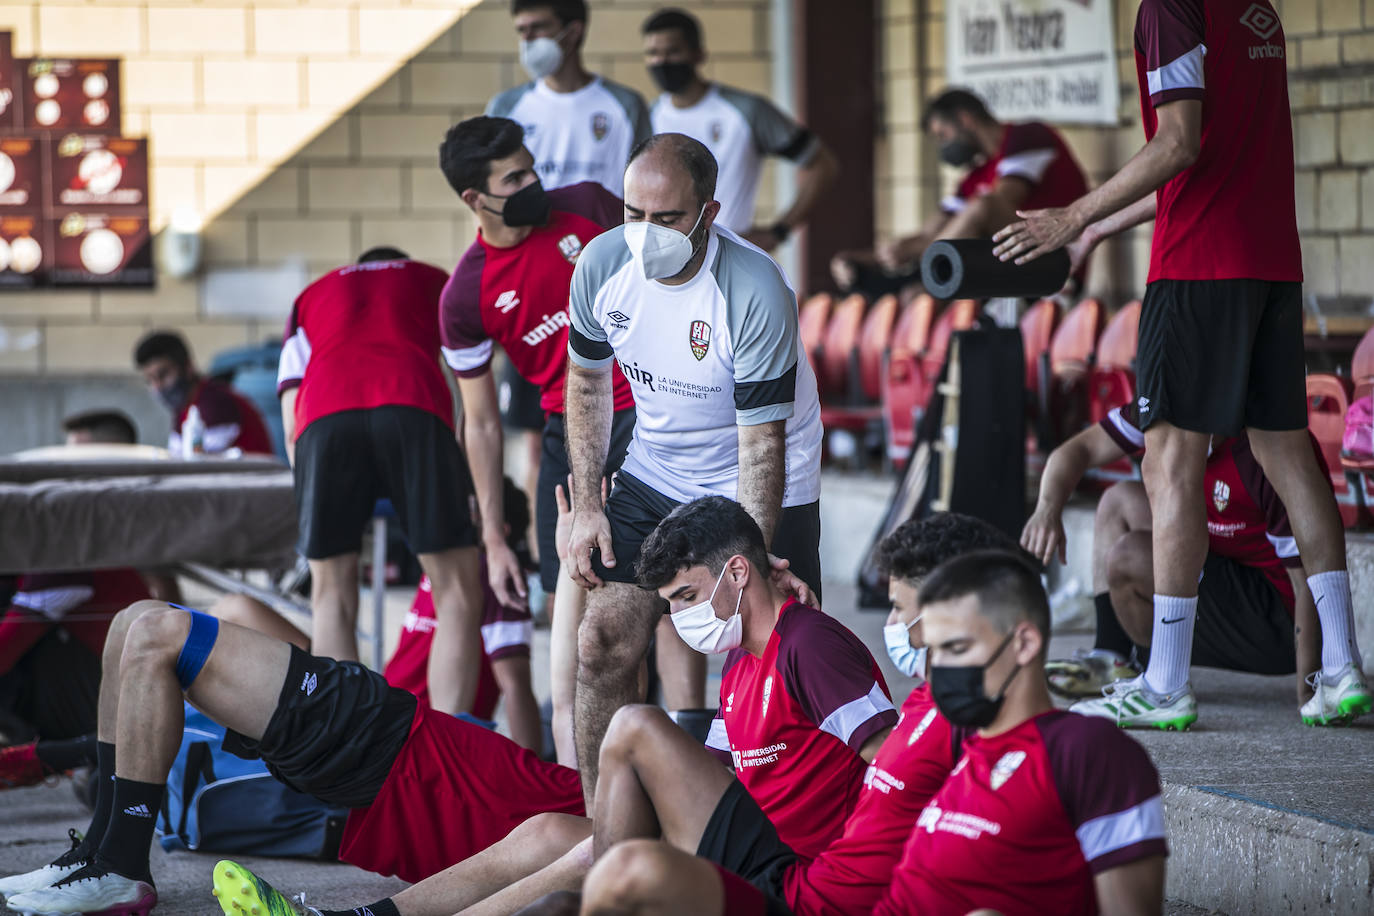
920,545
1007,586
704,532
470,146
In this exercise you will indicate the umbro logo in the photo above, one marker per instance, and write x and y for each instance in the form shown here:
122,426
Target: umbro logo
309,683
1260,20
138,811
1143,403
507,301
364,911
617,315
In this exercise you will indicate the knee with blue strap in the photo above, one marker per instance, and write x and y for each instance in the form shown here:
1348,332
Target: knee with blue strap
196,650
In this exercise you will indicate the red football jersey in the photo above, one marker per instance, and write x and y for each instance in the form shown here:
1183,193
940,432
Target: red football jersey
455,789
1034,152
1246,520
1026,820
854,871
518,297
364,336
231,421
82,603
1231,214
792,723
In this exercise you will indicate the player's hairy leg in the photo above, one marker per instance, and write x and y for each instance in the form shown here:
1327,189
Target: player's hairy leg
611,644
656,781
538,842
334,607
108,702
645,876
456,654
1123,508
512,675
681,669
1173,470
564,875
1291,467
1130,578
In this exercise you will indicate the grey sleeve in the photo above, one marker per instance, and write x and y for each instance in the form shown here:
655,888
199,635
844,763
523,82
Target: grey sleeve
775,134
635,110
599,261
761,311
502,104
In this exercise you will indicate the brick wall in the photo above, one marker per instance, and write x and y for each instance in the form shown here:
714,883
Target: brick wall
304,130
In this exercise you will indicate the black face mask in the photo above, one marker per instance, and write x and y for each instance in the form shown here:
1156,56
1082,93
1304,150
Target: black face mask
958,152
528,206
175,395
672,77
958,691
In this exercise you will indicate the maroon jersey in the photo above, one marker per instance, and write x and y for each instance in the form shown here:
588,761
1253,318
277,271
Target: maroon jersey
231,420
518,297
364,336
455,789
792,723
1246,520
1230,215
855,870
1035,153
82,603
1028,818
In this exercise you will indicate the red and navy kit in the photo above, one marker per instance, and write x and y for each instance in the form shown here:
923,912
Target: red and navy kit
454,789
791,723
1246,520
518,296
82,603
1028,818
231,420
855,870
364,336
1231,214
1035,153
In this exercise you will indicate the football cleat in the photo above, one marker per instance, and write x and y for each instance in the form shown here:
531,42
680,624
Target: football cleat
48,875
92,890
1087,673
242,893
1130,704
1338,700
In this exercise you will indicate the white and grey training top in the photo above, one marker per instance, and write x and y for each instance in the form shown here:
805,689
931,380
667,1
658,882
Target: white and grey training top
577,136
740,129
718,352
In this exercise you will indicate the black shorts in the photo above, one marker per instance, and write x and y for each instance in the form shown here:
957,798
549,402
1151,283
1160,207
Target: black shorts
52,690
553,470
1216,356
1242,623
336,731
740,838
635,509
519,401
346,461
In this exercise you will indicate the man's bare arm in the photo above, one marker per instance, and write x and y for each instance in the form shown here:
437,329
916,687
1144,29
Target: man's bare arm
588,406
763,472
288,422
875,741
1134,889
482,439
813,180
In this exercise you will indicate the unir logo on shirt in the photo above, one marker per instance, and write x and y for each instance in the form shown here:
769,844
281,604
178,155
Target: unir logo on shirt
700,338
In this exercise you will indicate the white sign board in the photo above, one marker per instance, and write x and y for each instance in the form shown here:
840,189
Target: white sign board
1043,60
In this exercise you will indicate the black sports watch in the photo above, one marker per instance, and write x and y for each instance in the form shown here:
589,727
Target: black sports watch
780,230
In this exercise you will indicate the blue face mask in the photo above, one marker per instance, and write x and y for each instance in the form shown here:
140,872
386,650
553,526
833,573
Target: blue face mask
909,661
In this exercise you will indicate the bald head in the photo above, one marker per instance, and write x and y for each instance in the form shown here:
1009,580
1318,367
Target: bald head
675,159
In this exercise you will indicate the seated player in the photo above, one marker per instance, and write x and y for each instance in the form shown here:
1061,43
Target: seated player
1047,811
754,871
1252,592
427,789
803,710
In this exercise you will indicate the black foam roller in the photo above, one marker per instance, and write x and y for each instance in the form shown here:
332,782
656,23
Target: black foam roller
967,269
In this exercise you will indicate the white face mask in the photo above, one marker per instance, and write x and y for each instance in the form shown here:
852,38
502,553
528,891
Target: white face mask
701,629
541,56
660,252
909,661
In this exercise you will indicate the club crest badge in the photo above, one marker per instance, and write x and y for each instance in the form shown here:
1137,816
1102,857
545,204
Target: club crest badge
1005,767
1221,495
716,130
601,125
571,246
700,338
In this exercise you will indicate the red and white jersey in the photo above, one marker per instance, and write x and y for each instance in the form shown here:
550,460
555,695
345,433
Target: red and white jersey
854,871
231,421
1028,818
518,297
792,722
455,789
1246,520
364,336
1231,214
1035,153
82,603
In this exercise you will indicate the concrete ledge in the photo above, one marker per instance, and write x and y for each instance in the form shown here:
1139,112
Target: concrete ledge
1241,856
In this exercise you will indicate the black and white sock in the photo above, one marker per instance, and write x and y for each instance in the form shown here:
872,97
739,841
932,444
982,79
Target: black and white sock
380,908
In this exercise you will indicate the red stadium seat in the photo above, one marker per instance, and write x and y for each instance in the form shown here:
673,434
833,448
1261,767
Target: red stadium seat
875,341
1328,399
1037,331
814,318
1073,354
841,339
957,316
1120,339
911,373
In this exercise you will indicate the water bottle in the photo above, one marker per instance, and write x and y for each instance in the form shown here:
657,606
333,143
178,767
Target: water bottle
193,433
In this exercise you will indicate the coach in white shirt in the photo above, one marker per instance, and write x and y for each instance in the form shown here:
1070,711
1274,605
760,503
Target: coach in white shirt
704,326
579,126
738,127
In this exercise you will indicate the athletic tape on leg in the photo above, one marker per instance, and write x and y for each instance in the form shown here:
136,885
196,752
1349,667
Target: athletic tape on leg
199,642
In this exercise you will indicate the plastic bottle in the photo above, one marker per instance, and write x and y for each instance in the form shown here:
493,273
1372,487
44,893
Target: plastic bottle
193,433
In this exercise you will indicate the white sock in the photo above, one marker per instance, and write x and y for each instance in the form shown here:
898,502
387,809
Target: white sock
1331,592
1171,643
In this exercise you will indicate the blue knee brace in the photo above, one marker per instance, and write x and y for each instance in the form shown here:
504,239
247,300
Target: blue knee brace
199,642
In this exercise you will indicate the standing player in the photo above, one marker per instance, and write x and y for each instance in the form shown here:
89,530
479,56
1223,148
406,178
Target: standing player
368,414
705,327
738,127
579,126
1221,341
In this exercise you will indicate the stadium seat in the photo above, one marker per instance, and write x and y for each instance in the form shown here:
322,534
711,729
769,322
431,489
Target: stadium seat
1037,331
1073,354
837,349
1112,380
860,409
911,373
1328,399
813,320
